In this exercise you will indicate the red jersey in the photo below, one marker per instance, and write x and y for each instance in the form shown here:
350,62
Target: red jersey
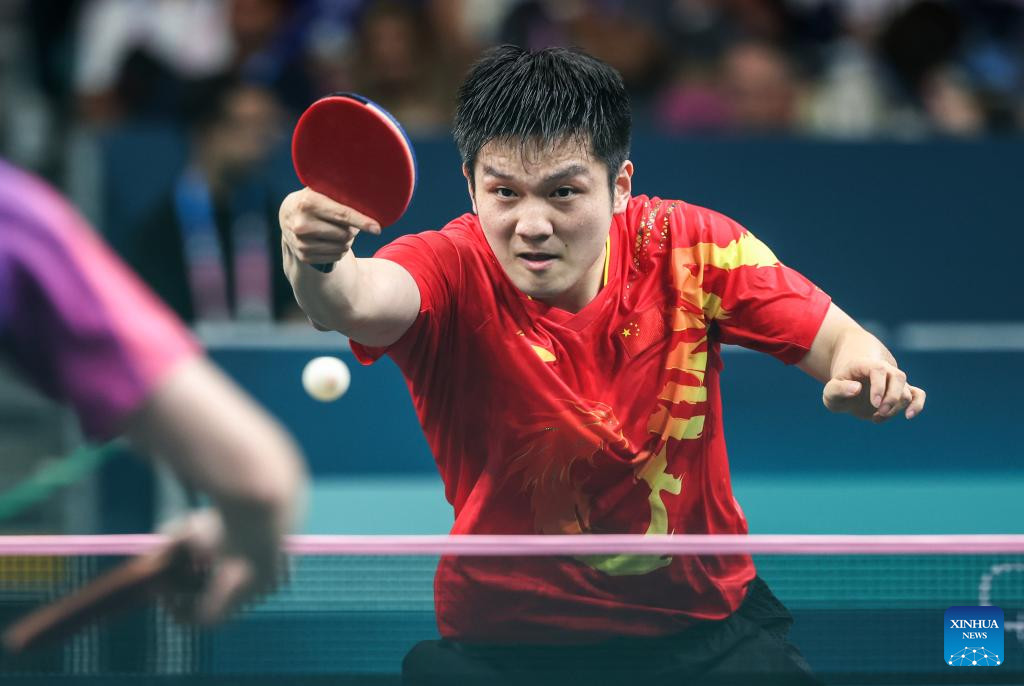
607,420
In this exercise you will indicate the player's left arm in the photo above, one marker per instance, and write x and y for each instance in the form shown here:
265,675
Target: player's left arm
861,376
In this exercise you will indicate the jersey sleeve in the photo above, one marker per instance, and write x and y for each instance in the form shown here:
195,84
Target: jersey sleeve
751,297
76,321
433,260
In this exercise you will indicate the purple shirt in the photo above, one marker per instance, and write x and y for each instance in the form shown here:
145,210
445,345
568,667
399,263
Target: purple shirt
73,318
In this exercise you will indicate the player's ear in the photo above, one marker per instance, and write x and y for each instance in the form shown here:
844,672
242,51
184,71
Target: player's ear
469,187
622,188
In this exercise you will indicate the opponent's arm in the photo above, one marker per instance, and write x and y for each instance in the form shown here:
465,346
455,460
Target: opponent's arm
371,301
221,442
861,376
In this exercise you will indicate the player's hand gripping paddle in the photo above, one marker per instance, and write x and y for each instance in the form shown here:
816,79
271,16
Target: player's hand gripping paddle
353,151
132,584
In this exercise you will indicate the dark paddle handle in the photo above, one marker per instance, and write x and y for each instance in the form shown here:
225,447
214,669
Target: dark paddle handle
131,584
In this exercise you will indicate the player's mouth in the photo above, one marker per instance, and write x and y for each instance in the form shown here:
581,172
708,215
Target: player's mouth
536,261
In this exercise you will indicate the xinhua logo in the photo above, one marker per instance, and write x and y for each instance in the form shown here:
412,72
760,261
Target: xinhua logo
973,637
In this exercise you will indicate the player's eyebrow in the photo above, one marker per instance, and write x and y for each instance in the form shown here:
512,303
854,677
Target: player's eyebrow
574,169
568,172
491,171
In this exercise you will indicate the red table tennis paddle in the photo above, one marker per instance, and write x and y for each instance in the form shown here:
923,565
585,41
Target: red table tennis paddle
352,150
132,584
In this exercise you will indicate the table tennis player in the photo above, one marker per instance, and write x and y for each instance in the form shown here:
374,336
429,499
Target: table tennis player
83,329
562,347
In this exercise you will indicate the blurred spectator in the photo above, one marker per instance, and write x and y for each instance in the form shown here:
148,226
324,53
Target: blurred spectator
397,66
761,89
851,68
920,39
771,21
993,58
950,104
211,248
328,41
139,59
693,103
851,96
623,34
34,39
468,26
958,64
270,46
134,56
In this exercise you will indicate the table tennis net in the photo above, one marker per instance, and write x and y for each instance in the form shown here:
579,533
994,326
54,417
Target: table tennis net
862,613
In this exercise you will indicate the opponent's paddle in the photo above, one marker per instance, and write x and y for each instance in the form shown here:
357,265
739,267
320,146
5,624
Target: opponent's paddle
352,150
131,584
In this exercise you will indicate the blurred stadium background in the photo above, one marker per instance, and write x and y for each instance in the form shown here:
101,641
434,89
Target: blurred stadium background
874,144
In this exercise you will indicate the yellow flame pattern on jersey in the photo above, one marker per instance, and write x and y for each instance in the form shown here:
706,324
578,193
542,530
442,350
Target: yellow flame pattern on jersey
561,505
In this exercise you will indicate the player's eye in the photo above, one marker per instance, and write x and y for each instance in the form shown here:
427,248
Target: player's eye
505,192
564,192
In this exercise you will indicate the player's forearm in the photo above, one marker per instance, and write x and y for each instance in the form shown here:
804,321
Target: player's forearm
853,343
370,300
332,299
219,440
260,474
839,340
860,375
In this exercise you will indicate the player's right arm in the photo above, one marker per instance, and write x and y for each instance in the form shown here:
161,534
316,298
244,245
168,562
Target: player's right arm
217,438
371,301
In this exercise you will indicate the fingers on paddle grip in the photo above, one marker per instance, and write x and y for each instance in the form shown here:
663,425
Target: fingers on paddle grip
324,268
187,571
183,581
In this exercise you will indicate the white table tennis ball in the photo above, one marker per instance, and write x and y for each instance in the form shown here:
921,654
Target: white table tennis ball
326,378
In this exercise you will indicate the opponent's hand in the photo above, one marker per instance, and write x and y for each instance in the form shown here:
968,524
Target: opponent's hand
872,389
317,230
235,563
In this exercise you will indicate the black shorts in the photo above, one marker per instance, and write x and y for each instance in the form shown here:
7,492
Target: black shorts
750,647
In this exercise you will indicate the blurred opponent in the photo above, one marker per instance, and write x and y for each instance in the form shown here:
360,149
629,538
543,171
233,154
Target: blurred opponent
83,329
562,347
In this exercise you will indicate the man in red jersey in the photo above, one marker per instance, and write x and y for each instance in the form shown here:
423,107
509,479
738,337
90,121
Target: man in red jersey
561,344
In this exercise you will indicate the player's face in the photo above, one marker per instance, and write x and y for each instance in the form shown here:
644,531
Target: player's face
546,215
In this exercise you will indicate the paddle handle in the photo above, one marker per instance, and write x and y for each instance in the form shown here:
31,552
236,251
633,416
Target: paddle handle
130,585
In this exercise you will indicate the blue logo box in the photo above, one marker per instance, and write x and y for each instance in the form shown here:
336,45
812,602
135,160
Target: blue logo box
973,637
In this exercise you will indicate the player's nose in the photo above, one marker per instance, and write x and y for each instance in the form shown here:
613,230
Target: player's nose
534,225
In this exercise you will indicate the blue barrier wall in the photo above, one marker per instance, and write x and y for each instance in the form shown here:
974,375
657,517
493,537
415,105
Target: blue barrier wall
894,231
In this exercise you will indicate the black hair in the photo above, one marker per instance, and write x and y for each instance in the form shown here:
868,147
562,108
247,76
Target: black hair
517,96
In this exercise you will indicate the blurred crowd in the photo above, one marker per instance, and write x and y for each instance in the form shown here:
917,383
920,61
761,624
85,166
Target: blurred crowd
232,74
829,67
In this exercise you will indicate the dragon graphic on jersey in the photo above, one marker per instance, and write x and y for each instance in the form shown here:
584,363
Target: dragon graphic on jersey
554,446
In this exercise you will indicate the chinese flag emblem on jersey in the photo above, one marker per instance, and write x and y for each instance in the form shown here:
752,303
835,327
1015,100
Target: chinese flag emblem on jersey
642,332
